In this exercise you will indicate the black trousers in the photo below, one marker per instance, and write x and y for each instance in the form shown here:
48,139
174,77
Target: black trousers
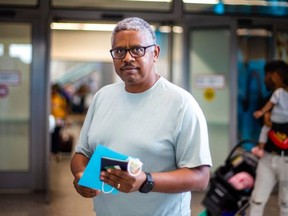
56,140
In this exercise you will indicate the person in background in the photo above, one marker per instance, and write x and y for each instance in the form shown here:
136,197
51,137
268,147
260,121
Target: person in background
59,110
273,163
79,104
52,123
147,117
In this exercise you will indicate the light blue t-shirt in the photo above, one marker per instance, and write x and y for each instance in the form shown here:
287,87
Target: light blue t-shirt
164,127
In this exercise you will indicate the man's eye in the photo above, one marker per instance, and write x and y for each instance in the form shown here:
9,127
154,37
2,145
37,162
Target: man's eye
137,50
120,51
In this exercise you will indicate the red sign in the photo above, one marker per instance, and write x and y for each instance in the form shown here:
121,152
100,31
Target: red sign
4,91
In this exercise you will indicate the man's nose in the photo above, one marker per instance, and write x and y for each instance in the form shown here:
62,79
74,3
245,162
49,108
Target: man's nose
128,56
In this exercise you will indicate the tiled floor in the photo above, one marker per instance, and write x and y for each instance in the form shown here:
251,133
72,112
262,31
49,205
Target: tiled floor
64,201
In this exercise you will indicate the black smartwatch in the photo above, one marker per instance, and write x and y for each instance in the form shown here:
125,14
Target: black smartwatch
148,184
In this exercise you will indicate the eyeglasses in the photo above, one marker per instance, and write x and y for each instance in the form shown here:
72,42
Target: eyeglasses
135,52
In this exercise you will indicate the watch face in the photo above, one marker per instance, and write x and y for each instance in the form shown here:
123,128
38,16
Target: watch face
147,185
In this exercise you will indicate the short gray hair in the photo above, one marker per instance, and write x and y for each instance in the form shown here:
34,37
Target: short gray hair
137,24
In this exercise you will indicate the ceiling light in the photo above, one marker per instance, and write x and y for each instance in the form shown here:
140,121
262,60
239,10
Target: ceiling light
83,26
164,29
177,29
201,2
254,32
150,0
246,2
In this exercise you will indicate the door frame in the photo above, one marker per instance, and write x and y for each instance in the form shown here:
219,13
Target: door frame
36,178
212,22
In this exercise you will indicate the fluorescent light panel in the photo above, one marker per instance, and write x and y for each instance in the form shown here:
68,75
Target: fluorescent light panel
149,0
82,26
105,27
254,32
201,2
177,29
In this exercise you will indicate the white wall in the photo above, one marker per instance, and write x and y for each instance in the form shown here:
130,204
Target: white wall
81,45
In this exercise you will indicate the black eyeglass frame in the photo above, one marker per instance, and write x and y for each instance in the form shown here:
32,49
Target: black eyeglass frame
129,50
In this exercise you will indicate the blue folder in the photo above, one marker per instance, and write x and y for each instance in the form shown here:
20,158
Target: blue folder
91,175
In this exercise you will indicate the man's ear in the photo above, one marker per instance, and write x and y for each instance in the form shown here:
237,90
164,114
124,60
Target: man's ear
156,53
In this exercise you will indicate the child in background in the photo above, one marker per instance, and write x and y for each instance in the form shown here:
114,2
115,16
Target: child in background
277,104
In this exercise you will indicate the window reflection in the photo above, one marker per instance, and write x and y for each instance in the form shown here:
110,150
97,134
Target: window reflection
21,51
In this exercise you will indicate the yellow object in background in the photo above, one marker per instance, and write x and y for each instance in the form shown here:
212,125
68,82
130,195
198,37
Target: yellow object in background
209,94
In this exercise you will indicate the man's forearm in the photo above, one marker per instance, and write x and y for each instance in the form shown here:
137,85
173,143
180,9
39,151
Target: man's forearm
78,163
190,180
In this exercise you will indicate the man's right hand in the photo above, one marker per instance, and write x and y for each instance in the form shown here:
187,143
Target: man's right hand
84,191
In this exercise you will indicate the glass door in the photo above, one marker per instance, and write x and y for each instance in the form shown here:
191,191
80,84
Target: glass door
15,60
15,67
23,107
211,82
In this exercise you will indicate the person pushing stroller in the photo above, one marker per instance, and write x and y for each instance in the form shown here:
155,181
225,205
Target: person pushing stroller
273,142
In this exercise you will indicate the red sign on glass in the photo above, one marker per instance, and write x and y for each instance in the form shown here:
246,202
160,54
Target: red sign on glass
4,91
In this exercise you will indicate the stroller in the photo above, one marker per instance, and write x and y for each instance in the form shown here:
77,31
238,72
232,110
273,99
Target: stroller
222,198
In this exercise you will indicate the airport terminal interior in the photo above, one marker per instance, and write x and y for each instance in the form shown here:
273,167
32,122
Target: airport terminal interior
215,49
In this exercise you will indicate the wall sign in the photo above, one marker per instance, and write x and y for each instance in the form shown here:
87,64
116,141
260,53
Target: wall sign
10,77
214,81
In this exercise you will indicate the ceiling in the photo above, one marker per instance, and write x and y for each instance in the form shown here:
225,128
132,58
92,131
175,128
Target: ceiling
278,8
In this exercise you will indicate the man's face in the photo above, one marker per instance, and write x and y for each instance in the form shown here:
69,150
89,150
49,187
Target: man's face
137,73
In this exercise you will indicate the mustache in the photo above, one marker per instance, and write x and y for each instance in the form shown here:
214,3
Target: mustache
128,66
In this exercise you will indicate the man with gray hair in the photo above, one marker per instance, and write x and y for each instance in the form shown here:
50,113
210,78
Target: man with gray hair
149,118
